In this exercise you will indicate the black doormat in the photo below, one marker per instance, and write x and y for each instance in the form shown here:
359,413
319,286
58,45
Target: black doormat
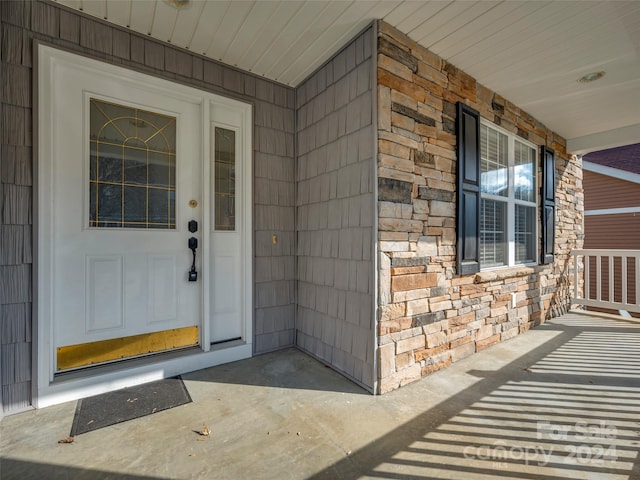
128,403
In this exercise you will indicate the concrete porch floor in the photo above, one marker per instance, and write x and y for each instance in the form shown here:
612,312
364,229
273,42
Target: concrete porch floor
561,401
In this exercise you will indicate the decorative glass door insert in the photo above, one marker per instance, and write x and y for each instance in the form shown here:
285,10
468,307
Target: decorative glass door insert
225,179
132,174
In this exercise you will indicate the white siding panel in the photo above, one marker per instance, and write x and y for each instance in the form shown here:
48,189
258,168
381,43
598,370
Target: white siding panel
424,16
552,50
209,21
186,24
77,4
403,11
578,57
268,33
476,30
286,37
164,21
119,12
617,104
530,18
97,8
324,29
224,35
250,29
142,14
460,19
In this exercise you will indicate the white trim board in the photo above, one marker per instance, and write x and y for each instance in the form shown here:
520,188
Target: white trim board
617,137
612,211
611,172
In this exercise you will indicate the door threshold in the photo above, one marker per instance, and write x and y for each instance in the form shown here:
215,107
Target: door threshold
214,347
229,340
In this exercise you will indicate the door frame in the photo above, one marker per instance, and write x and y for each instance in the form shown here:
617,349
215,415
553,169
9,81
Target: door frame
49,389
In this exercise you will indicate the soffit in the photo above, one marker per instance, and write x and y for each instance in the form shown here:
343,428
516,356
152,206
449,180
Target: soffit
530,52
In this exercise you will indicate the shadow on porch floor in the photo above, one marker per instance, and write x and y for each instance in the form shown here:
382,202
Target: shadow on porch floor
560,402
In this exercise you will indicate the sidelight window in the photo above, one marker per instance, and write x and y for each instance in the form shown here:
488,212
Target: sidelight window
225,179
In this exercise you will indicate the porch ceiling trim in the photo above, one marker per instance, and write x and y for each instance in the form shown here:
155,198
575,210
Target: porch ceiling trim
530,52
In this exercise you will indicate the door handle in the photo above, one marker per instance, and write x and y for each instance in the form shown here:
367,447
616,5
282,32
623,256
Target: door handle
193,245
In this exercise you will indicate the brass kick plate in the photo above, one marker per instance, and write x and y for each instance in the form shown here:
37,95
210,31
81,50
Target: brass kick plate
85,354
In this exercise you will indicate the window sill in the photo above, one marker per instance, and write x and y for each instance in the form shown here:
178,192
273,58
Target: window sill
505,273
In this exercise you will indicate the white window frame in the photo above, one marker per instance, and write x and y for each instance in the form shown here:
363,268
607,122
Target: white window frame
512,201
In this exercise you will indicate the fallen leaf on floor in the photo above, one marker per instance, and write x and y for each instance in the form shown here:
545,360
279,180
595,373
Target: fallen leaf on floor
67,440
298,433
528,369
131,400
348,453
205,432
90,422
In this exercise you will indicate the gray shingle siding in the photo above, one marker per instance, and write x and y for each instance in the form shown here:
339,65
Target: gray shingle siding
335,212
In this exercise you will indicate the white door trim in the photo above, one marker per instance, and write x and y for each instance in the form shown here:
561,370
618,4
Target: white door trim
51,390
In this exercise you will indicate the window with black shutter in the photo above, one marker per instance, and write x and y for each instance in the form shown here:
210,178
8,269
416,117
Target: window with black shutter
497,202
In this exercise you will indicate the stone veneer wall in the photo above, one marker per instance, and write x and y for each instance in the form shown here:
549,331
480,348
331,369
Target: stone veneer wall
335,212
428,315
22,22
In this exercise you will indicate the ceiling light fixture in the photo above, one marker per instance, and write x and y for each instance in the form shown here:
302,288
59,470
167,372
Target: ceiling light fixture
177,4
591,77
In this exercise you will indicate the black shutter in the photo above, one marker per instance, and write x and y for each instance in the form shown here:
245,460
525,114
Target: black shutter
548,204
468,150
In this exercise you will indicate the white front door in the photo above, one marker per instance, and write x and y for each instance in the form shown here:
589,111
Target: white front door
130,168
127,178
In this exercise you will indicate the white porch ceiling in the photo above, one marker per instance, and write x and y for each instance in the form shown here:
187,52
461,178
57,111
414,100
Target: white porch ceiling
530,52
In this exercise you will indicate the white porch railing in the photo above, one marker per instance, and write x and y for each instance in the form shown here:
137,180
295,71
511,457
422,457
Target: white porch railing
611,279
